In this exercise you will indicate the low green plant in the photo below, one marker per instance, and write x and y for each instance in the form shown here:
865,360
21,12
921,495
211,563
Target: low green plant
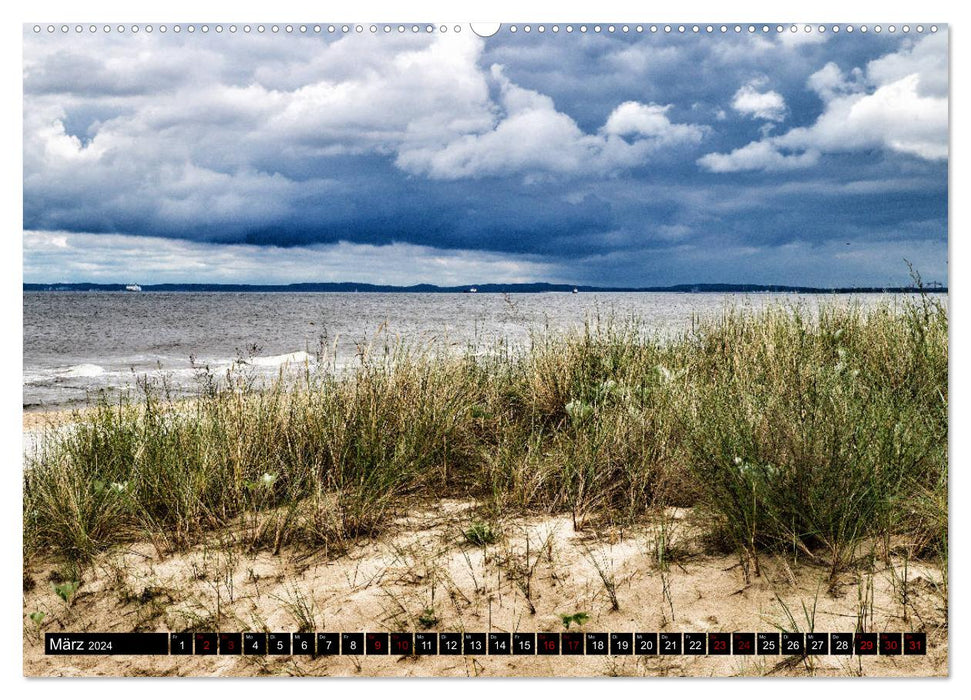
66,590
480,534
428,618
37,617
577,618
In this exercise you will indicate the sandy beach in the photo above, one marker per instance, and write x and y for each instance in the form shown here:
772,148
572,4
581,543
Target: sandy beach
427,576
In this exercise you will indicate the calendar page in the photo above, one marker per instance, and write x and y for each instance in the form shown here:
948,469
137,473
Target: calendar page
466,350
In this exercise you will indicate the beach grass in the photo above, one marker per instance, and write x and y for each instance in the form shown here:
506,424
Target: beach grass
791,428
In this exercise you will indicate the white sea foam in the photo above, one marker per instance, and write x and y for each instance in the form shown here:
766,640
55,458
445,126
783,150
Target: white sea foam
83,370
35,378
292,358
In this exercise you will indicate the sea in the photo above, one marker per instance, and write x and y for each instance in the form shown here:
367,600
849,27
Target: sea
80,346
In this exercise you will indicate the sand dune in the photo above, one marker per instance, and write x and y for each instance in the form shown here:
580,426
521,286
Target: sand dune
426,575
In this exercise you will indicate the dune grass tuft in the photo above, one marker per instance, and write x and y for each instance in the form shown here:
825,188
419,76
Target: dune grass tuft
795,429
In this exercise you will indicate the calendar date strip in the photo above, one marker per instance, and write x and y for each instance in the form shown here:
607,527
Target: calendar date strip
316,644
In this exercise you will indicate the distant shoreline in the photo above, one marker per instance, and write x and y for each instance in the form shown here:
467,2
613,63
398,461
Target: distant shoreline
523,288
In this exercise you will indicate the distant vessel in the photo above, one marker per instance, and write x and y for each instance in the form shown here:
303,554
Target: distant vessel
132,288
576,291
472,290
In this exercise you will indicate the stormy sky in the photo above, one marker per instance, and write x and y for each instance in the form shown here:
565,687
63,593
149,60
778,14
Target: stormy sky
585,158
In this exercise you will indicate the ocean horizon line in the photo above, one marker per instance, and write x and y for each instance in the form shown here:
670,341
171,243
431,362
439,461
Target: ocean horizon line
481,288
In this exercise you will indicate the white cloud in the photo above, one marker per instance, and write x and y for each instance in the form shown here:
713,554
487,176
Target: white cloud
758,155
830,82
234,129
927,58
899,104
110,258
634,119
895,116
767,105
228,119
529,135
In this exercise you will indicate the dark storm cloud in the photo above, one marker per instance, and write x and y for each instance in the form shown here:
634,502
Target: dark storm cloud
615,159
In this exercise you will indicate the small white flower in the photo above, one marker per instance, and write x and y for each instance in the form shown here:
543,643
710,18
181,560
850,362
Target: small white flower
267,480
